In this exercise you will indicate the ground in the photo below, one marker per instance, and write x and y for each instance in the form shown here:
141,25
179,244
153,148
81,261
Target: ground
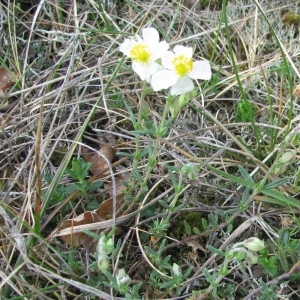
111,190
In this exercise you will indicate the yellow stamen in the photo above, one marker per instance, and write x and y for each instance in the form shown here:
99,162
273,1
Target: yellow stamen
183,65
140,53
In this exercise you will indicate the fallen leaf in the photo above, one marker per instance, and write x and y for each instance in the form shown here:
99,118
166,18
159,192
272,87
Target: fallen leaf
79,238
120,187
99,163
6,79
105,210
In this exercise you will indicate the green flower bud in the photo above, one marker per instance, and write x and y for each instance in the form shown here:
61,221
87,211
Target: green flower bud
103,263
100,245
254,244
109,246
162,131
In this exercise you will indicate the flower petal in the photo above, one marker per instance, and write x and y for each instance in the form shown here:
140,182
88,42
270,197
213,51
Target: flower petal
126,46
150,36
145,70
182,86
182,50
201,70
159,50
167,60
163,79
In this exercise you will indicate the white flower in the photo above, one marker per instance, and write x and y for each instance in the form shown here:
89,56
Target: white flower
179,70
144,52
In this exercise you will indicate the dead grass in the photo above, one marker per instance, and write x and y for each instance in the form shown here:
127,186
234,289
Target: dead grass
70,91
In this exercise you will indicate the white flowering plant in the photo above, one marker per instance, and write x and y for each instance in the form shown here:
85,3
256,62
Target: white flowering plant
144,52
171,72
174,69
164,68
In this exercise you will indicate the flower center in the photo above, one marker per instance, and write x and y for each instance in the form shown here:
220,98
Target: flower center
183,65
140,53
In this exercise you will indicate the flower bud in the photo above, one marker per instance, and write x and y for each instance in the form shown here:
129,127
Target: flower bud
109,246
122,278
254,244
103,263
176,270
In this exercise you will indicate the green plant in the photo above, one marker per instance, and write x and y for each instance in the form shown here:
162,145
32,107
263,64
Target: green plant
268,292
246,250
269,263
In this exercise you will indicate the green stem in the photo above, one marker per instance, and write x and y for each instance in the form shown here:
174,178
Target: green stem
149,169
152,154
216,281
163,121
140,109
178,191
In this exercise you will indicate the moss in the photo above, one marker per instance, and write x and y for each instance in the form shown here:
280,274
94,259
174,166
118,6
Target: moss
192,218
292,19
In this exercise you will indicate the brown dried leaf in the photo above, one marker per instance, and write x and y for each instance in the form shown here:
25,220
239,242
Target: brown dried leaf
79,238
103,212
120,187
99,164
6,79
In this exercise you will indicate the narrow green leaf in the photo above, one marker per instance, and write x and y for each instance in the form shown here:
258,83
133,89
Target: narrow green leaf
132,115
281,199
231,177
187,228
144,131
215,250
246,175
245,195
164,204
276,183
